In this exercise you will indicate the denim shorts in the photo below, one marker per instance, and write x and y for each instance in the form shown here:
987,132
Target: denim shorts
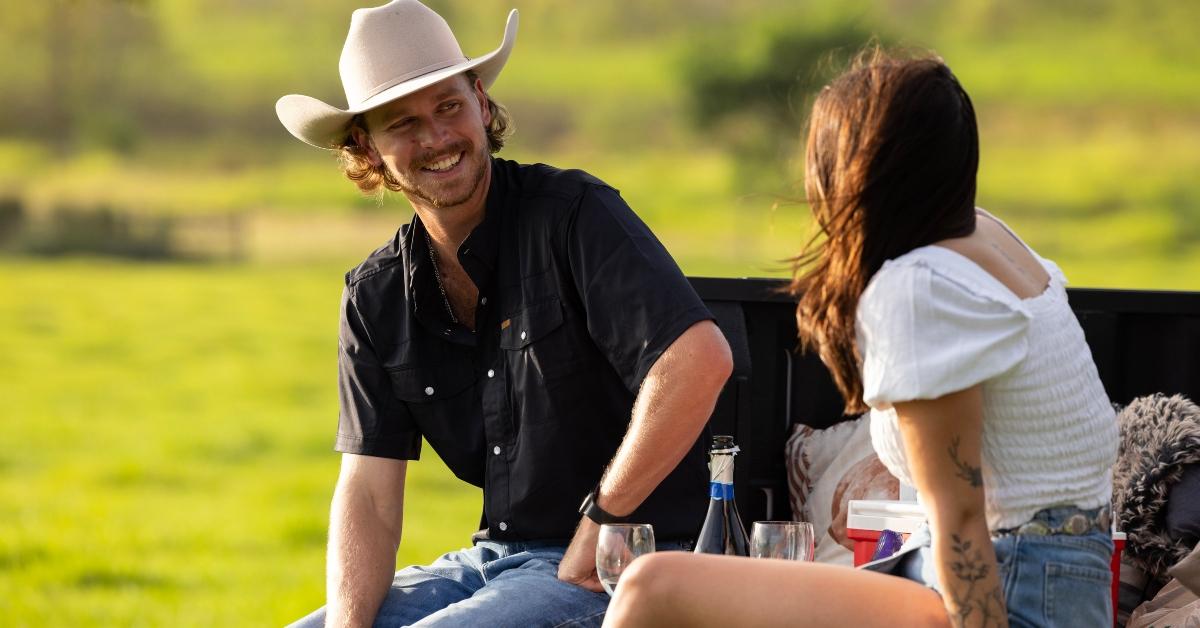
1049,581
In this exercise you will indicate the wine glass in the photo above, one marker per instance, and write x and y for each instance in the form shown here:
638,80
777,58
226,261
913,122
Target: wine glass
618,545
788,540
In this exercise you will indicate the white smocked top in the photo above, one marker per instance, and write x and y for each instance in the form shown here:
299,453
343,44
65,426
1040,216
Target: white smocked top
932,322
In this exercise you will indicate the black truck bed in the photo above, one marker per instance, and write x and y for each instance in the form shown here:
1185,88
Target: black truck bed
1142,341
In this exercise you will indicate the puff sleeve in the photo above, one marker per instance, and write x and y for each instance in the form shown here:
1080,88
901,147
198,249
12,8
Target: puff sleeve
923,334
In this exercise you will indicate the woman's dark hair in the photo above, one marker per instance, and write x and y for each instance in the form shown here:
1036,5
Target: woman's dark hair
890,164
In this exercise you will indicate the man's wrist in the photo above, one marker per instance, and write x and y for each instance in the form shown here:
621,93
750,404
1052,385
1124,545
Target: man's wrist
592,510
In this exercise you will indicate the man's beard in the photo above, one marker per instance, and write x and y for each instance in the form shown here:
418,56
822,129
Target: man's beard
439,198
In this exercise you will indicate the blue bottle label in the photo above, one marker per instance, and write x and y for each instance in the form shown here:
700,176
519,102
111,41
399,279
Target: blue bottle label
720,491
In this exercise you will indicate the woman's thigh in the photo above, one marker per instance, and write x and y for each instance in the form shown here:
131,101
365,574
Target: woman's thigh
679,588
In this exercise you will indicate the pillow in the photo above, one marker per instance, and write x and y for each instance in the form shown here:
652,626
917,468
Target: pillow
828,468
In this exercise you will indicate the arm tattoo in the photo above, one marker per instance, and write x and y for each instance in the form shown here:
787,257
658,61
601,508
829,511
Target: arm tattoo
970,568
973,475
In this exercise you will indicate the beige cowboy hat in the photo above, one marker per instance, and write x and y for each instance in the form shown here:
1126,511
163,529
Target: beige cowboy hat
391,51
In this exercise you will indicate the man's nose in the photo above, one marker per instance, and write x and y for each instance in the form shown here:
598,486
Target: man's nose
432,134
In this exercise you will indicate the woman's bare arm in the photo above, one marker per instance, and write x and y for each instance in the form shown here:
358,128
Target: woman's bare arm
942,440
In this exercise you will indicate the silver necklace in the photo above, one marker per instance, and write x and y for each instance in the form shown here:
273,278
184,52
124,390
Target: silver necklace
438,276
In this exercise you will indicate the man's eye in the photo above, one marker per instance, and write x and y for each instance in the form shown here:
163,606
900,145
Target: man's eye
451,106
402,124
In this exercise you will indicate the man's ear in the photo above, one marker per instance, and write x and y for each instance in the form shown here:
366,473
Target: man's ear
481,96
363,139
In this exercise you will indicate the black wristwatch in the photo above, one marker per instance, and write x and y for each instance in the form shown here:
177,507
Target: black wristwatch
590,509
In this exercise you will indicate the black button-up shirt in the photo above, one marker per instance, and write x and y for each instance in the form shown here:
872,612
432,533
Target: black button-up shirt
577,299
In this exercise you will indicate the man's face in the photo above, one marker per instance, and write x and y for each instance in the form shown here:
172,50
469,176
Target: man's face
434,141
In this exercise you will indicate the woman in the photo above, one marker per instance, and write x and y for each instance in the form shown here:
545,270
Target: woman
982,390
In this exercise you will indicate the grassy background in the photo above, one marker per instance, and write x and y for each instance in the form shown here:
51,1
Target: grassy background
170,462
165,457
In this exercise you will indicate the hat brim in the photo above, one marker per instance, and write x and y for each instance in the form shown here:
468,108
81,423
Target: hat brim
320,124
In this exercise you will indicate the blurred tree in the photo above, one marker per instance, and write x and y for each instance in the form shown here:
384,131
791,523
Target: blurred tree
750,89
89,73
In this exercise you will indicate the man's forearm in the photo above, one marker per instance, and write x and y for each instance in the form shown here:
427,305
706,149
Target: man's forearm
361,561
672,407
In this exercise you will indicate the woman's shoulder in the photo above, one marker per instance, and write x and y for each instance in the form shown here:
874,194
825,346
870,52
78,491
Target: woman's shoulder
929,324
937,276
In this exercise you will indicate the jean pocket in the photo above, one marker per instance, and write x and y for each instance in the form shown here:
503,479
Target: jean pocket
1078,595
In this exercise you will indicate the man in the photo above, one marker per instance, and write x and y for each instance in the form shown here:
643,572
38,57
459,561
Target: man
525,323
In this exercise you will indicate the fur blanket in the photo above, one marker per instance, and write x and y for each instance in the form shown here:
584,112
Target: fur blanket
1159,436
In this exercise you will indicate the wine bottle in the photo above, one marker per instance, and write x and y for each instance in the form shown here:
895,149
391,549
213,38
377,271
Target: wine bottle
722,532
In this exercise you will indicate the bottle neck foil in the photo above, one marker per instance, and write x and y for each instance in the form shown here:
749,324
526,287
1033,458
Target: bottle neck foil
721,468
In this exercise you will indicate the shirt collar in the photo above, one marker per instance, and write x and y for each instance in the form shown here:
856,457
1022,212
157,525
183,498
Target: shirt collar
422,284
478,253
481,249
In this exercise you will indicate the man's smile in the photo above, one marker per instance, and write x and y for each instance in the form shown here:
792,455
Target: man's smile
444,164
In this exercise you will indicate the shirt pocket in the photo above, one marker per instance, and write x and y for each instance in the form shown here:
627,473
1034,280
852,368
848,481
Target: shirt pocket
541,345
443,406
531,324
430,385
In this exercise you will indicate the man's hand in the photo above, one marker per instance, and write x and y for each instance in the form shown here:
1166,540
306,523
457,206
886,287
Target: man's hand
578,564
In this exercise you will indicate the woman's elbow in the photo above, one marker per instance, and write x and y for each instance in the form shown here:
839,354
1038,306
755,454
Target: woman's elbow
957,513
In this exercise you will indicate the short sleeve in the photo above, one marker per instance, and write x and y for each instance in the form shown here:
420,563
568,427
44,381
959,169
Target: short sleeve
922,334
637,300
372,421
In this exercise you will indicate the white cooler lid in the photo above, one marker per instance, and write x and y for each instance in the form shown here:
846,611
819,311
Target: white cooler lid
871,514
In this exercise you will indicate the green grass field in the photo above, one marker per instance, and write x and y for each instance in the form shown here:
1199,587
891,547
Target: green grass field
166,454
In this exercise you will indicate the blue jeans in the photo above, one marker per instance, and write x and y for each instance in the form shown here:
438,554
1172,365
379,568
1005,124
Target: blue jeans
491,584
1049,581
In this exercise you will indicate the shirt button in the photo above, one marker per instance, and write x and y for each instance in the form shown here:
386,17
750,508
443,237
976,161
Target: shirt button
523,335
503,526
496,450
491,373
483,300
428,390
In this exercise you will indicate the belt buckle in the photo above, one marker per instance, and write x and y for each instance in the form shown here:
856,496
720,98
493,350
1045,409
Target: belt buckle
1077,524
1033,528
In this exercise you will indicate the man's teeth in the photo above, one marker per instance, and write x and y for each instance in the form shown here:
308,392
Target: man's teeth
444,164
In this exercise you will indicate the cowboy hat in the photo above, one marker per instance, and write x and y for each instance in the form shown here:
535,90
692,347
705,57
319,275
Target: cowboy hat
391,51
